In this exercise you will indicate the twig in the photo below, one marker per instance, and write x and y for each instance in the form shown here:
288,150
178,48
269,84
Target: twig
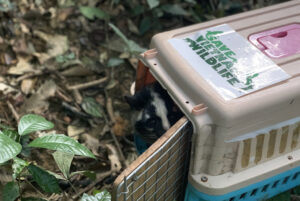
29,75
99,178
13,111
37,190
121,155
74,110
110,112
128,141
63,96
87,84
77,96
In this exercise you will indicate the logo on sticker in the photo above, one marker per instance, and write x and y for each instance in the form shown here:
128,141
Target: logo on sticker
220,58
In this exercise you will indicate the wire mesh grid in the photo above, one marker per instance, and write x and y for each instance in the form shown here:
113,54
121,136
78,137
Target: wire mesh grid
163,175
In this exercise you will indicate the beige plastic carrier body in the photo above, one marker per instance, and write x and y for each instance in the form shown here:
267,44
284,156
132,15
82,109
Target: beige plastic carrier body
246,139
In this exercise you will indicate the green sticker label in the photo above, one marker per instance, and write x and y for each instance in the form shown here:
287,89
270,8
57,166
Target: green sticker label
227,61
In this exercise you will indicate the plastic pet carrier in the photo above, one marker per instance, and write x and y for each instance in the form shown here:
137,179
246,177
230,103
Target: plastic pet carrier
237,80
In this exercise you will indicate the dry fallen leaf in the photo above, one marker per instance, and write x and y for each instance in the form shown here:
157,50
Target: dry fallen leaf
74,131
58,45
23,66
133,62
113,158
120,126
64,13
27,85
91,143
77,71
132,27
38,102
6,89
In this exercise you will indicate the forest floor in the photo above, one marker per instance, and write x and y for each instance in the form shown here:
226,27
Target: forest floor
73,62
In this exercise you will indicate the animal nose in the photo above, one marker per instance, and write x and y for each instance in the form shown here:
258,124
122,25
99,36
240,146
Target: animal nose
139,126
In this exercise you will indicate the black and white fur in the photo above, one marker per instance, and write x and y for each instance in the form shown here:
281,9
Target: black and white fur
155,112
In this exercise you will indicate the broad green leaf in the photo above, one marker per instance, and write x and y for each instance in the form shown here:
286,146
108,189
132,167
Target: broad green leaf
63,161
18,166
62,143
112,62
153,3
31,122
46,181
145,24
132,46
90,106
92,12
57,176
87,173
32,199
8,148
12,134
102,196
10,192
174,9
119,33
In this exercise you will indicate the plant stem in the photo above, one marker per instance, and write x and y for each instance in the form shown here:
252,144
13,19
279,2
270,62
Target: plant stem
19,185
37,190
74,189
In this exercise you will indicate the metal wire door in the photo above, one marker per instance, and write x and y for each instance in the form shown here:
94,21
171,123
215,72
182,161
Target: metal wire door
161,172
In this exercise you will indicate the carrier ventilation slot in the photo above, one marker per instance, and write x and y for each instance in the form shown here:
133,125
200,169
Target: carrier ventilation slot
267,188
267,146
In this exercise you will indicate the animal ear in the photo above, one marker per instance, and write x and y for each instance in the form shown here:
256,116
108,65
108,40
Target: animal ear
139,99
133,102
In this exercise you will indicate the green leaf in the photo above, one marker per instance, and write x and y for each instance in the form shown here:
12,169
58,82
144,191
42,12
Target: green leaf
6,5
90,106
62,143
146,24
60,59
57,176
112,62
12,134
102,196
8,148
92,12
46,181
31,122
153,3
63,161
285,196
18,166
32,199
174,9
64,58
10,192
133,47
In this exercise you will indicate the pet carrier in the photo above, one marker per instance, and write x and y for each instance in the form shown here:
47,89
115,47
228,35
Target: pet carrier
237,80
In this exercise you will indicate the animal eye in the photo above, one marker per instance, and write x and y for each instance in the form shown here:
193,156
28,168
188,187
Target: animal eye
151,122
